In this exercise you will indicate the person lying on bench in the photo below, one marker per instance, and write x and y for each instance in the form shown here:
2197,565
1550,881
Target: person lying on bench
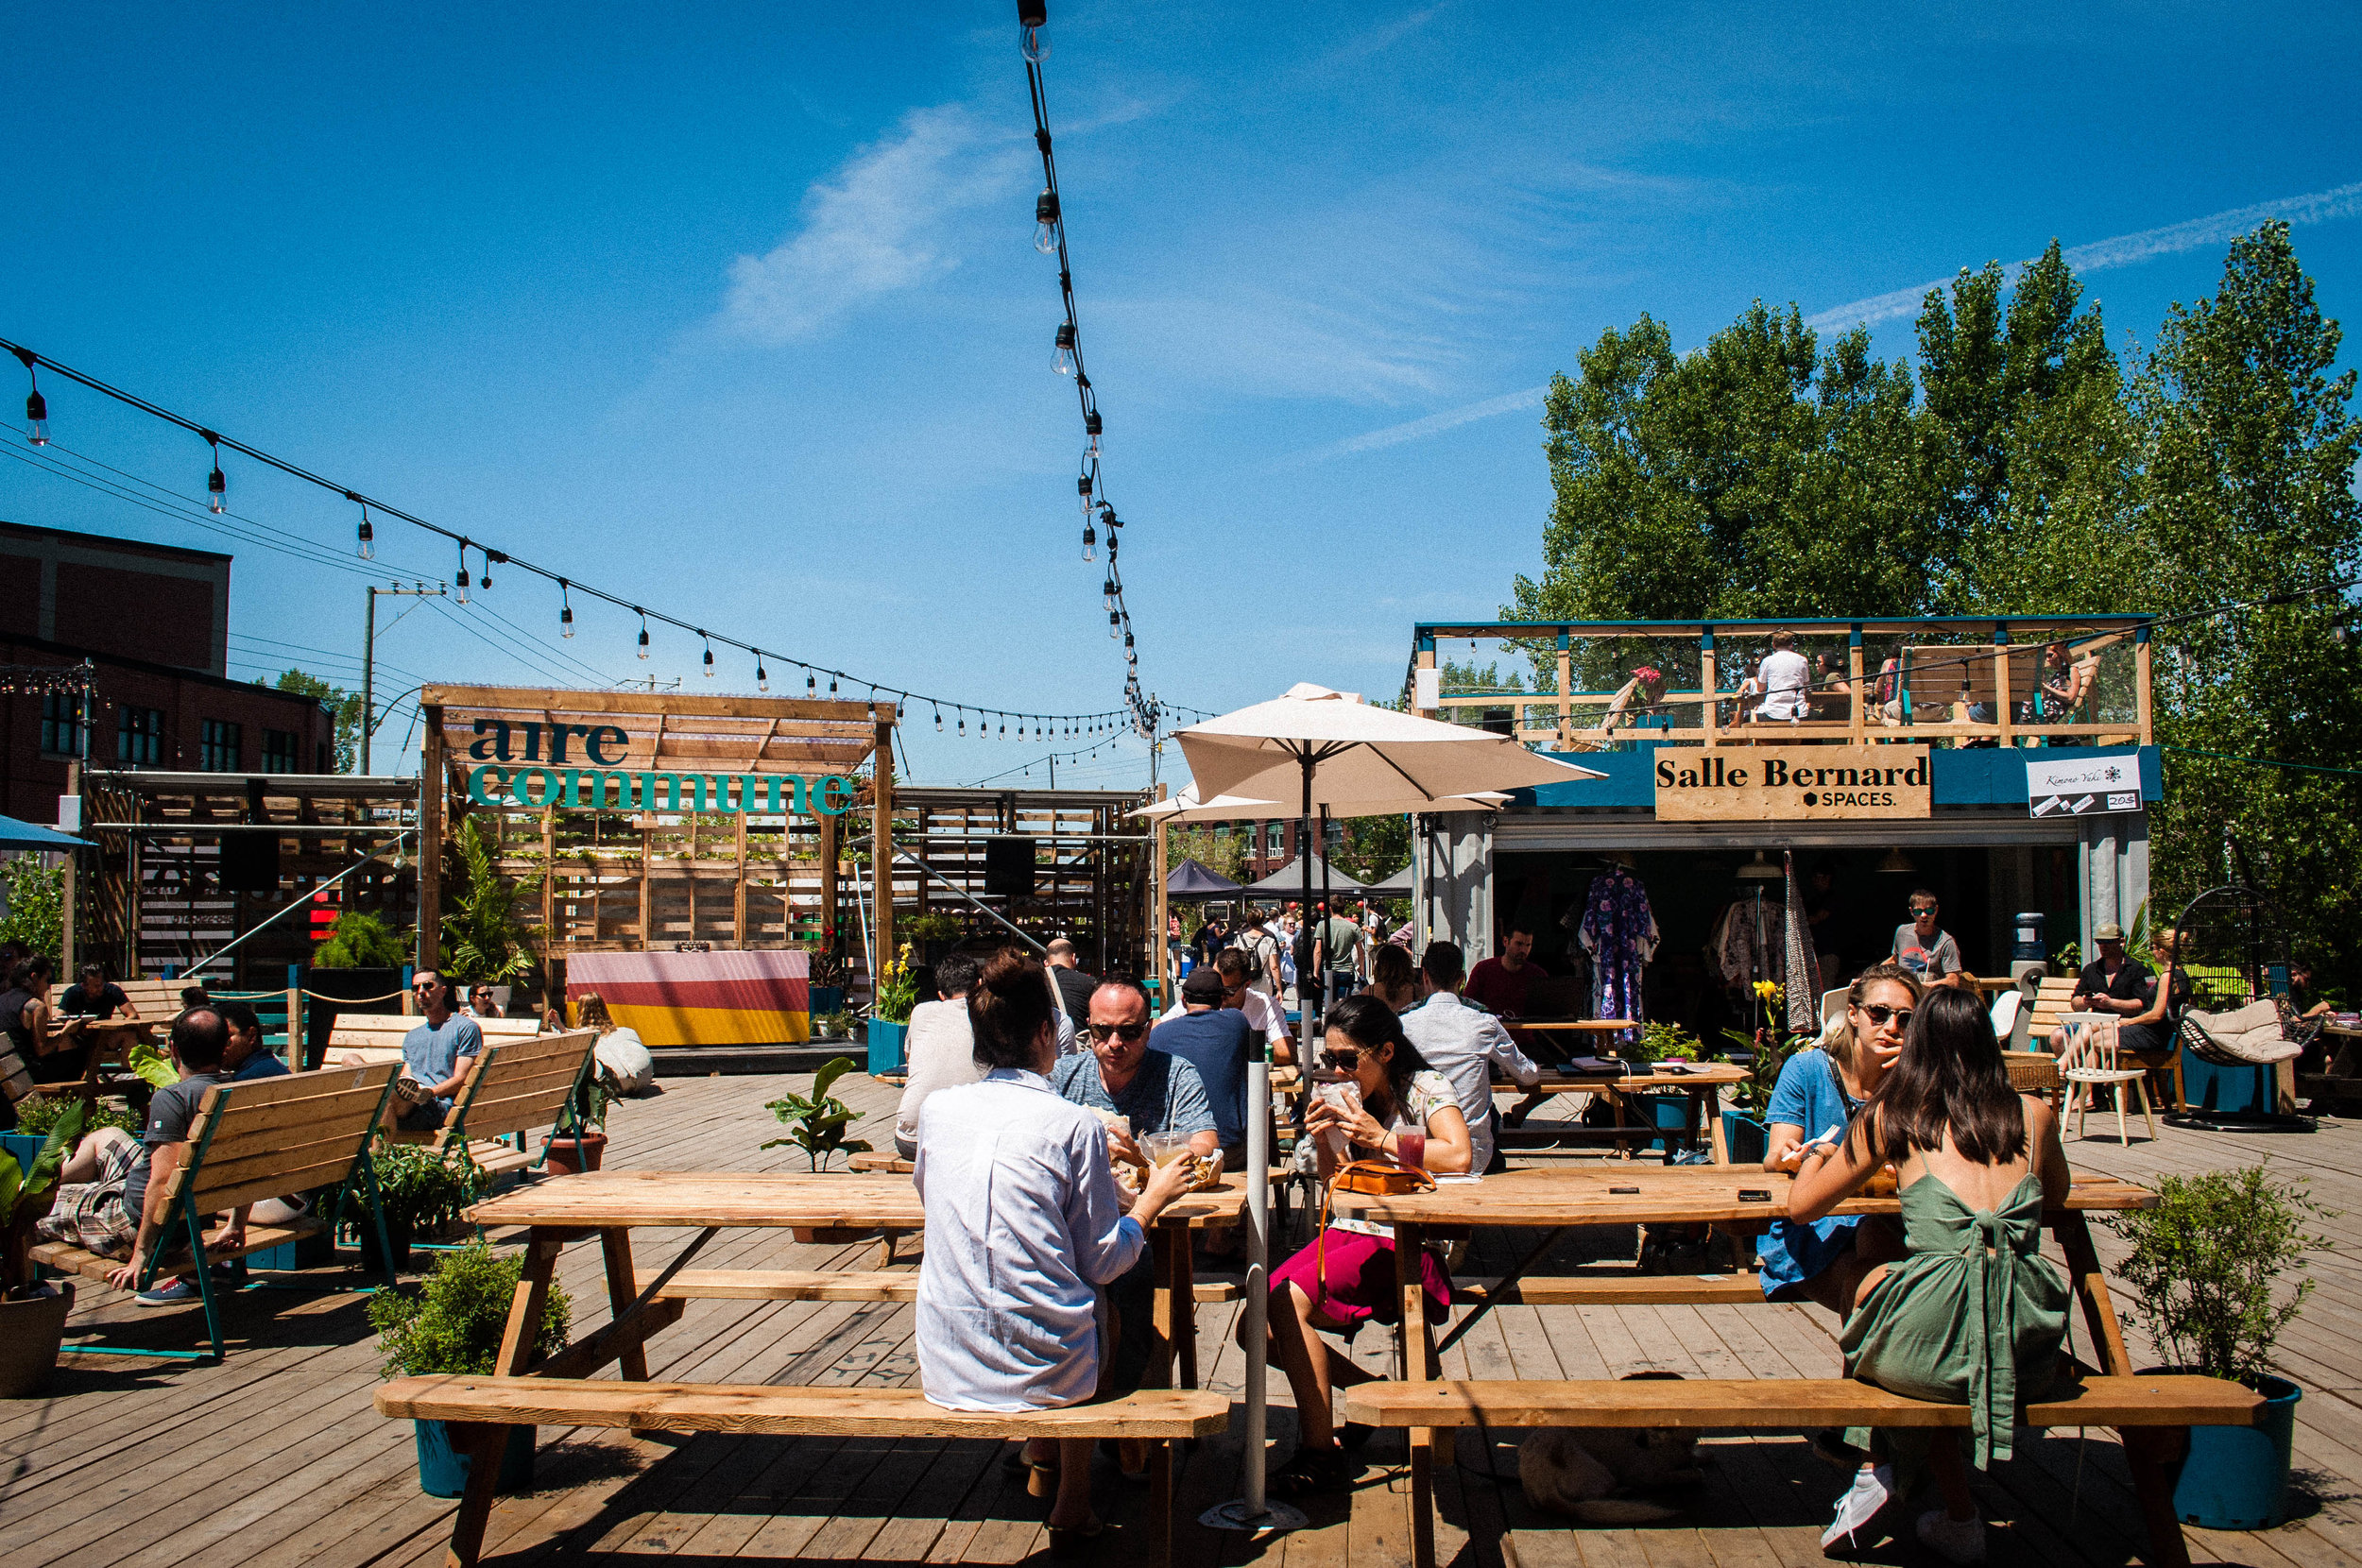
199,1037
1977,1163
1023,1223
1399,1110
435,1058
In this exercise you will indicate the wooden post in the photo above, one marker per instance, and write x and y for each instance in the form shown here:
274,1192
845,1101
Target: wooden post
881,845
738,900
2001,687
1860,714
430,835
1160,955
826,826
2141,713
647,887
1566,695
1706,683
549,878
73,875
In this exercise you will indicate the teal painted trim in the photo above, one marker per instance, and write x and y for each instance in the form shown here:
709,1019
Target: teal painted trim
1852,635
1427,631
127,1350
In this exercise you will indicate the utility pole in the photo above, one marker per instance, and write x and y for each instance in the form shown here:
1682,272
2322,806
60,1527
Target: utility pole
369,661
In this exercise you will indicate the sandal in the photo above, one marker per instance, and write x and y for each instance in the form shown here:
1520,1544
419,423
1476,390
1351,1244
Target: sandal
1312,1470
1065,1543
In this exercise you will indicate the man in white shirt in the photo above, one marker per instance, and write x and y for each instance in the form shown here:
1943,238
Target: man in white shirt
1464,1044
1785,679
940,1051
1263,1014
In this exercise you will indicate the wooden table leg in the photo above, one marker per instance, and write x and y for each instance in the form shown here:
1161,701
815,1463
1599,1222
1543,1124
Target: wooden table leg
1418,1350
484,1443
1158,1374
622,1288
1712,1098
1623,1146
1184,1315
2148,1451
533,1296
1160,1521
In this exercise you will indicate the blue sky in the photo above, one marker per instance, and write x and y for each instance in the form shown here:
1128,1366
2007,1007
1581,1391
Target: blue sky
734,311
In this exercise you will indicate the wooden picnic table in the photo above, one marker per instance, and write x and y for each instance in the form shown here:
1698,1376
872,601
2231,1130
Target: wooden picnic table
610,1204
111,1040
1555,1198
1703,1086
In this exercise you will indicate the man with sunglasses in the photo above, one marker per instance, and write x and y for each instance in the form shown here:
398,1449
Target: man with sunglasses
435,1056
1265,1016
1155,1091
1929,953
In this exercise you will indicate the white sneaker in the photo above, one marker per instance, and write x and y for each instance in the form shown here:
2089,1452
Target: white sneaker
1960,1540
1871,1493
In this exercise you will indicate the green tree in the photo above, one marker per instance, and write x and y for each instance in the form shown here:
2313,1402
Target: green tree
1221,852
2252,446
36,916
1375,847
345,705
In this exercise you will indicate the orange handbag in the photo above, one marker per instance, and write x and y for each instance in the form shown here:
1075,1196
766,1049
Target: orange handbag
1371,1179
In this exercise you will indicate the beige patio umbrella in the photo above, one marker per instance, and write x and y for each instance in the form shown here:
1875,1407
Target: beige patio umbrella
1333,751
1186,806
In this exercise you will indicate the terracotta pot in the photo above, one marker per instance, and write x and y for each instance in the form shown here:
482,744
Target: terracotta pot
562,1153
31,1332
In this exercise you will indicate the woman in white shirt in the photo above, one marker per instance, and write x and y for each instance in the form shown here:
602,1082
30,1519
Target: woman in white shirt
1024,1222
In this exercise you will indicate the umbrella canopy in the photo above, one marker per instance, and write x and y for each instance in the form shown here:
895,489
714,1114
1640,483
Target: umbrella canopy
1358,753
1290,880
28,835
1186,806
1192,879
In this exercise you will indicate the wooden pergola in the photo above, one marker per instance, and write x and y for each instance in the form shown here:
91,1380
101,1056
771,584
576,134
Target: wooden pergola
632,804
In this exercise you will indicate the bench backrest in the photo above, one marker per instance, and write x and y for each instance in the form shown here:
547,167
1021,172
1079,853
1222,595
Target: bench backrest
1936,673
2053,1001
366,1031
268,1137
518,1086
155,999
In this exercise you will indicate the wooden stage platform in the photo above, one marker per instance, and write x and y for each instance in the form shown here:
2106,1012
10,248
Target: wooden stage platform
275,1458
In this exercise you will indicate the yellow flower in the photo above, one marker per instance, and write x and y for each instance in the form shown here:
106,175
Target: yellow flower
1767,991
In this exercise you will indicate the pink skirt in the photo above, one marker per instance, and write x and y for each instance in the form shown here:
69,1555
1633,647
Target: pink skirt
1360,1271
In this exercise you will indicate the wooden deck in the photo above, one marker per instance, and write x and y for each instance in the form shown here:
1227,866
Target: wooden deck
275,1458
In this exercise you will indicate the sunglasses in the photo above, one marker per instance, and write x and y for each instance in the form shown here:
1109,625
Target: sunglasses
1923,909
1344,1059
426,985
1126,1032
1878,1013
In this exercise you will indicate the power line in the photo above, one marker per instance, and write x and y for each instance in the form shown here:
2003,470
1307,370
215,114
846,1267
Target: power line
491,556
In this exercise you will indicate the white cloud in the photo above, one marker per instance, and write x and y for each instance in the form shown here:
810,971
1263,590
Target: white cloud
1434,424
2123,251
879,227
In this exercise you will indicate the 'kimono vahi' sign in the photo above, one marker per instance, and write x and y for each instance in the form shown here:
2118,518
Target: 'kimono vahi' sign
1791,783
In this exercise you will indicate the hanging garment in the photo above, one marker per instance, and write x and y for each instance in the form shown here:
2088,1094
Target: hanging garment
1620,934
1746,946
1800,964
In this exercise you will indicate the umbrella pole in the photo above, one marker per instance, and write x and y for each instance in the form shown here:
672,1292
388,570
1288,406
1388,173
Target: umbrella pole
1255,1511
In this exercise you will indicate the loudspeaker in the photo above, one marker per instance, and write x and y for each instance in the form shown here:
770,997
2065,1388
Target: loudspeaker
250,862
1009,867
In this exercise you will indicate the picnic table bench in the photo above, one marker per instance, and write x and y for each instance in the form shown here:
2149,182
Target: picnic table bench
610,1204
1704,1086
2153,1424
266,1137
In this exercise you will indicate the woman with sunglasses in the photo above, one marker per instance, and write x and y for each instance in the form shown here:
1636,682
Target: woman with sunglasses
1408,1115
1970,1313
1818,1093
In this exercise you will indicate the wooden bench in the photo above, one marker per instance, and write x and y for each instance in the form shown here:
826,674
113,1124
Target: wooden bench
834,1285
378,1036
2055,999
155,999
267,1137
515,1086
2159,1407
483,1408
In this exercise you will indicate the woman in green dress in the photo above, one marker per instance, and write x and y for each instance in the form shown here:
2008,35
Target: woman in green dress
1972,1314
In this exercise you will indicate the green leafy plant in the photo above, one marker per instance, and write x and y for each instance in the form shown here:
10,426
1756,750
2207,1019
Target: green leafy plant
1659,1040
2207,1261
418,1188
37,1115
934,925
484,937
817,1122
833,1026
1753,1097
451,1323
36,917
24,1198
153,1063
360,941
897,990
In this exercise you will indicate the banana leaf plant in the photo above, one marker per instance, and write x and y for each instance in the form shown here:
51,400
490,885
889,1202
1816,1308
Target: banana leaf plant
817,1122
25,1197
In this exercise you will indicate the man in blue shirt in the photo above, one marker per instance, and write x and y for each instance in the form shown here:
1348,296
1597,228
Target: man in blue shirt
435,1056
1213,1039
1120,1076
247,1057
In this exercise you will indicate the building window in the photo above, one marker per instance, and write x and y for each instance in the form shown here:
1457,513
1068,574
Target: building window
1334,833
139,736
61,725
219,751
279,751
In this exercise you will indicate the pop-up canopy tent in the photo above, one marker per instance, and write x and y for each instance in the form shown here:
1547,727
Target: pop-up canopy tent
1396,886
1289,880
1192,879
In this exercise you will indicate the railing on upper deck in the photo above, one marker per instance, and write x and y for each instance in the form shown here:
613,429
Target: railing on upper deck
2010,680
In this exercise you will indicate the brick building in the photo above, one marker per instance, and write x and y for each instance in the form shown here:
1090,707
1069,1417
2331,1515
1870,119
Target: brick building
154,622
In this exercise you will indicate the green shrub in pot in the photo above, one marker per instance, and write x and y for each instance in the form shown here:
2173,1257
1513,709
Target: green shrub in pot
32,1314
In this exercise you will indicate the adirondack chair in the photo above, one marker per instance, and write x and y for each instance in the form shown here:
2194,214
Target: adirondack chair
267,1137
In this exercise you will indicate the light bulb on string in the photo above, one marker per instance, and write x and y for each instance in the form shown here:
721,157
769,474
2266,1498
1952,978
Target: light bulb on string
565,610
832,686
644,630
962,727
1046,223
708,656
36,406
812,684
368,535
1065,364
490,556
763,676
938,720
1092,428
462,594
1115,620
1090,540
1031,16
216,487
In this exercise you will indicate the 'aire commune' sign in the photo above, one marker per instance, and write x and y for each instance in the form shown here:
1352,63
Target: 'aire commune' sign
606,786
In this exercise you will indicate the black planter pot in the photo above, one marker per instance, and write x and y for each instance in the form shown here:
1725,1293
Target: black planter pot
397,1236
367,988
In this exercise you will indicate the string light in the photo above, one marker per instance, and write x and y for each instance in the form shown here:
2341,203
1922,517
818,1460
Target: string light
1045,236
763,676
218,488
938,720
1066,349
1031,16
709,656
565,610
644,630
36,406
367,535
462,584
490,555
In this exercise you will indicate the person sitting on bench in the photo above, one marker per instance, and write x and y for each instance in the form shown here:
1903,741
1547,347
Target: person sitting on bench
939,1052
87,1209
246,1058
1023,1224
435,1058
199,1038
1977,1161
96,997
26,1013
1400,1110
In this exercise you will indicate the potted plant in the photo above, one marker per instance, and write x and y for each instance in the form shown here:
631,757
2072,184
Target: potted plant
825,986
419,1193
817,1122
890,1013
935,932
360,962
32,1313
484,940
1745,1131
2203,1272
451,1324
581,1148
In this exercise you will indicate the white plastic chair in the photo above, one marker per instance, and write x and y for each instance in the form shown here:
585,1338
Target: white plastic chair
2005,1010
2089,1063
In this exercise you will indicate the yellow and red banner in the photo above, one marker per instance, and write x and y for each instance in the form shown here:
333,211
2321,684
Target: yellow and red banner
755,998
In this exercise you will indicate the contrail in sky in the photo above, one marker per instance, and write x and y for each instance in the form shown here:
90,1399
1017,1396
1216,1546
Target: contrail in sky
2344,201
2125,250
